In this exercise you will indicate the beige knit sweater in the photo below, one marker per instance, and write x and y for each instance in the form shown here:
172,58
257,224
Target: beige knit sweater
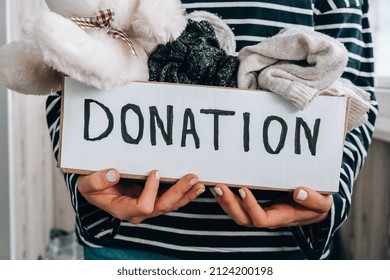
299,64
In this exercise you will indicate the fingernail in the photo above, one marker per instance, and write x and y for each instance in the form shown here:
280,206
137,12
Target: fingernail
157,175
242,193
194,181
218,191
302,195
199,192
111,176
213,191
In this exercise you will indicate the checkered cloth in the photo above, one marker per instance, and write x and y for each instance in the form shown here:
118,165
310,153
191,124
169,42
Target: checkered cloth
103,20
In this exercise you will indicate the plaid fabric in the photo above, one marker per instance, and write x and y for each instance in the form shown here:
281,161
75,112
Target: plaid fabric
103,20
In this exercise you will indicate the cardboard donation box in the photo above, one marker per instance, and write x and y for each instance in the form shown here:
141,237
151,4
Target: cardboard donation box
237,137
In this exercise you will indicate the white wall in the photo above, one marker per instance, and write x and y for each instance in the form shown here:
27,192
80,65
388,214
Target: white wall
32,192
36,182
5,228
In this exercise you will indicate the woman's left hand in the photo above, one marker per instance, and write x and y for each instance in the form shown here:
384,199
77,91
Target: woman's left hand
305,207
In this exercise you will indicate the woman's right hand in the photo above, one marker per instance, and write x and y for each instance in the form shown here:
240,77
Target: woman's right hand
133,202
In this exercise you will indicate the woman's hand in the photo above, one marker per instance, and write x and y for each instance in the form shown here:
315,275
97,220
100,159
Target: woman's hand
135,203
305,207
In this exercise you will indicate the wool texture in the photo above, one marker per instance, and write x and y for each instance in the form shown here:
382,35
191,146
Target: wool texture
196,57
359,101
222,31
296,63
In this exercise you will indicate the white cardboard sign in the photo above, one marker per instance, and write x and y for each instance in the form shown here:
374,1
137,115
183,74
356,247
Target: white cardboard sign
231,136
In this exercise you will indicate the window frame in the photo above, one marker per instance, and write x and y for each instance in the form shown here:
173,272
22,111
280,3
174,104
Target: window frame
382,82
382,92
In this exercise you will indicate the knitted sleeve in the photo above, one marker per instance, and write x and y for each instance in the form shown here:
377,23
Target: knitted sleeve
347,21
93,226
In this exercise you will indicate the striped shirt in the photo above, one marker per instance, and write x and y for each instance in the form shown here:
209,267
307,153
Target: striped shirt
201,230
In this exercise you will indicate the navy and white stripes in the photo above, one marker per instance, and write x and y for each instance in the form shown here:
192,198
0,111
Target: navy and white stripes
201,230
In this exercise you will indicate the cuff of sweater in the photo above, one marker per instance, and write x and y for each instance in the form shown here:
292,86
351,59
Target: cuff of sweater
86,216
299,94
279,82
358,106
294,92
357,116
315,239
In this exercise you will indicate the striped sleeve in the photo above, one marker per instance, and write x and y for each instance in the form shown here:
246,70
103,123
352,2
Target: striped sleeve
93,226
347,21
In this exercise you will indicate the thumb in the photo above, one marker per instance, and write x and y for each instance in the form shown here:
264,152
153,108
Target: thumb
98,181
313,200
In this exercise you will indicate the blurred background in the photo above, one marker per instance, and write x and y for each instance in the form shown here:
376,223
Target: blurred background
36,218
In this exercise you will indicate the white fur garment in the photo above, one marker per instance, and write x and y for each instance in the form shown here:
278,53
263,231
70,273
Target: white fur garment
52,45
